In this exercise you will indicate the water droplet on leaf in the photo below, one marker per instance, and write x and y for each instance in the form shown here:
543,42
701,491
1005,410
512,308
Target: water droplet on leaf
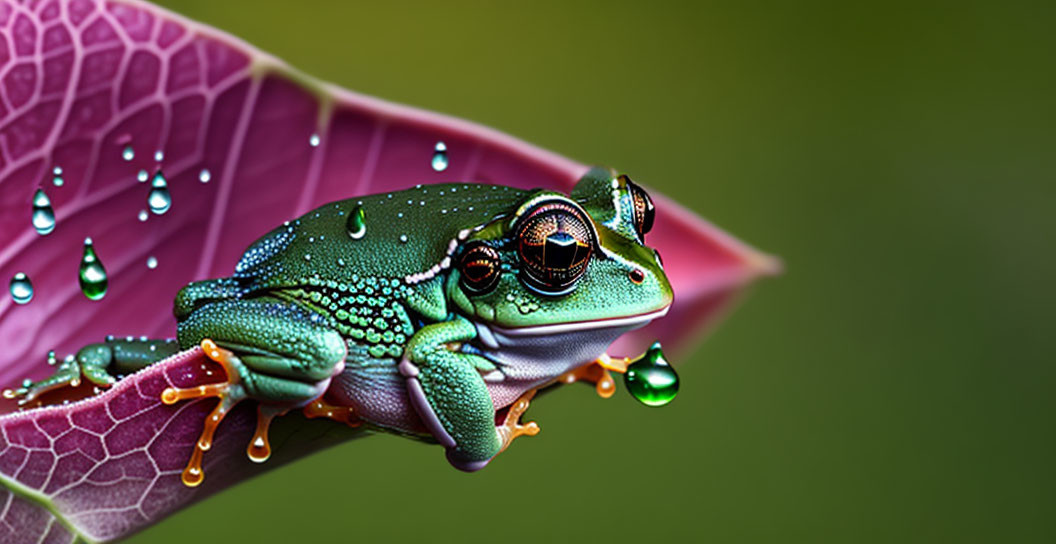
313,140
204,176
159,156
651,379
440,157
159,198
92,274
356,224
142,176
21,288
142,215
152,262
128,153
43,215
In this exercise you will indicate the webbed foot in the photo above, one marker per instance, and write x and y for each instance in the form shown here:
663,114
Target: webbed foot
342,414
511,427
229,392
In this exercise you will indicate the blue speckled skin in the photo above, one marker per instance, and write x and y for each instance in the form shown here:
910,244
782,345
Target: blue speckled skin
387,311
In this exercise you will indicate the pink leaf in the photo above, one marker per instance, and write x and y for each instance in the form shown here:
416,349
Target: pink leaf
81,80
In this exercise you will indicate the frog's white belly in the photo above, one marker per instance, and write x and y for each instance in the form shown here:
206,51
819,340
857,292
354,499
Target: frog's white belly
529,357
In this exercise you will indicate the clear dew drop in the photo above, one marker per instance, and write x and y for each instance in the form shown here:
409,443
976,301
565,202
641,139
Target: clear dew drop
313,140
143,215
159,200
21,288
92,274
204,176
142,176
43,215
152,262
57,170
159,156
56,178
128,153
440,157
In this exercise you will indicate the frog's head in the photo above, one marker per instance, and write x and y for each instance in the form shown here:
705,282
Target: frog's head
562,264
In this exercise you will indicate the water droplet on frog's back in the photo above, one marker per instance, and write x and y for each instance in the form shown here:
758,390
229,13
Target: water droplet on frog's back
439,162
356,224
92,274
21,288
43,217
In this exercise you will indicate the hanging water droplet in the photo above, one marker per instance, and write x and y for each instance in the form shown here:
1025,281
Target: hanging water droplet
204,176
356,224
92,274
57,181
57,170
651,379
152,262
142,215
21,288
128,153
313,140
142,176
159,198
440,157
159,156
43,215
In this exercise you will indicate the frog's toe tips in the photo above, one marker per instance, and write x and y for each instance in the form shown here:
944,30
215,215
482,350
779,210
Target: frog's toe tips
259,450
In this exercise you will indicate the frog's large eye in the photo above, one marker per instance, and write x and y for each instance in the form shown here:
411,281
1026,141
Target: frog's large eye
480,268
644,212
555,242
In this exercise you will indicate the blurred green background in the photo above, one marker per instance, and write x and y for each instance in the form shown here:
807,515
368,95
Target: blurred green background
896,384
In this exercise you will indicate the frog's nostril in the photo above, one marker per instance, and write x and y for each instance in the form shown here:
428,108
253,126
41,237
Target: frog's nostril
636,275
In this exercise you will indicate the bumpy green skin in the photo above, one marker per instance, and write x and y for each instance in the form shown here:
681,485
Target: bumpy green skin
308,298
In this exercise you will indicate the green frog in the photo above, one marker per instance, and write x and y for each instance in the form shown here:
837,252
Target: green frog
423,312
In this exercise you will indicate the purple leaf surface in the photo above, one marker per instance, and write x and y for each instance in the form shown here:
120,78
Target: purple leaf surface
82,80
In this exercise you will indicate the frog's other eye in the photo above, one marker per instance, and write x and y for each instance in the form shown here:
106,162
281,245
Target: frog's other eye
554,242
644,212
480,268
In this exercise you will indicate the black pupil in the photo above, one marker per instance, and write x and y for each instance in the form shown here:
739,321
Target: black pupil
555,246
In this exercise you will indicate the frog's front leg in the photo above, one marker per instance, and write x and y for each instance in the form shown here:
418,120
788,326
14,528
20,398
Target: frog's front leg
447,390
274,352
97,363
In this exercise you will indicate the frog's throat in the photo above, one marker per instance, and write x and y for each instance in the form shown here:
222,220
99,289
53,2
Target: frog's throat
626,323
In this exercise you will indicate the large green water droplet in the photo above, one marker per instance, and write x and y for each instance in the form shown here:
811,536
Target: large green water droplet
651,379
440,157
43,215
21,288
92,274
357,223
159,198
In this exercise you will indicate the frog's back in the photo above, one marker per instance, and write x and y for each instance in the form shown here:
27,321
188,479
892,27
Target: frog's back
406,234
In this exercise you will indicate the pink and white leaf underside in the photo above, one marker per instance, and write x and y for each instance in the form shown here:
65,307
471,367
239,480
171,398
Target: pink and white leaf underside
82,79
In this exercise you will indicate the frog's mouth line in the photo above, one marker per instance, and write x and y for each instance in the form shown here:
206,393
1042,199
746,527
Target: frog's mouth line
627,322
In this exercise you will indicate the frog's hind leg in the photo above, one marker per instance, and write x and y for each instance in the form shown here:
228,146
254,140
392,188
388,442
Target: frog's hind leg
98,363
272,351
